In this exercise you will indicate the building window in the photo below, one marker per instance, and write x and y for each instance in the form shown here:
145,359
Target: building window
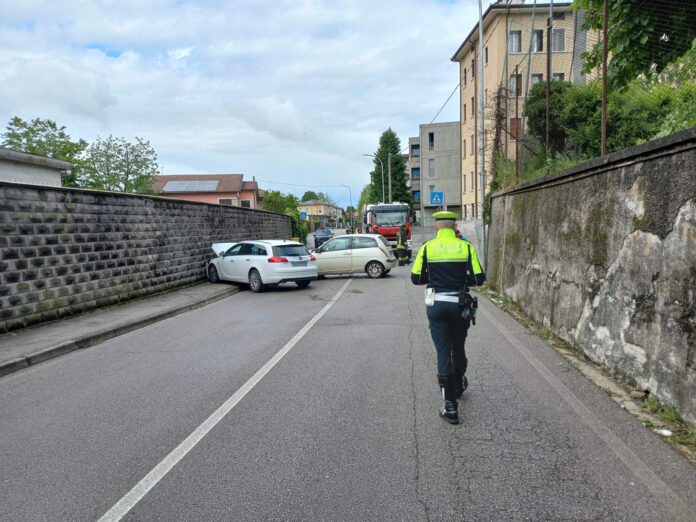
464,183
415,172
463,149
225,201
472,144
486,53
515,124
472,181
246,203
464,114
416,195
536,78
431,141
515,85
431,168
472,107
473,68
558,40
515,41
464,77
485,95
558,77
538,41
415,150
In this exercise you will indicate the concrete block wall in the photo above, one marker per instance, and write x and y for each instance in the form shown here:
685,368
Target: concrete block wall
65,251
604,254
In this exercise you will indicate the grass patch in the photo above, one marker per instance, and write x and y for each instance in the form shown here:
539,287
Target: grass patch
682,432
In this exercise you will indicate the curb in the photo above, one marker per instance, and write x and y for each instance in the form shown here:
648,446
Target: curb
26,361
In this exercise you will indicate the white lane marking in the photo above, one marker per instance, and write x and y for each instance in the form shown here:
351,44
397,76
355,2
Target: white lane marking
123,506
657,487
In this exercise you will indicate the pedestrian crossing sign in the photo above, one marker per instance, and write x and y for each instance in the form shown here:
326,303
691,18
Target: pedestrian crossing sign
436,198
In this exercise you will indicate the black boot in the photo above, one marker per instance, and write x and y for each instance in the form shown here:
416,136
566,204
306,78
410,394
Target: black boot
449,409
460,385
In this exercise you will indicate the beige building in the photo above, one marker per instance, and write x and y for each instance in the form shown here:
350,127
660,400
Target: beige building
515,36
32,169
325,213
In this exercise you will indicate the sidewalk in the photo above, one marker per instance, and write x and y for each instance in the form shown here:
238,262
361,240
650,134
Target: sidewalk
36,344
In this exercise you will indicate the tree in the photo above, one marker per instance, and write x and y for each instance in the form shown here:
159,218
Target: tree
275,201
642,36
322,196
46,138
309,195
389,142
536,112
118,165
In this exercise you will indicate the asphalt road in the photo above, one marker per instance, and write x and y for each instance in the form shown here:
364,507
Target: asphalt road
343,427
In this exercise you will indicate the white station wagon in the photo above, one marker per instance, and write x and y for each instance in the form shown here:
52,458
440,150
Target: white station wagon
356,253
262,263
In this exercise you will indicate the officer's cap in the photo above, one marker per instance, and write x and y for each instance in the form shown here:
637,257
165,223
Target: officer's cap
445,215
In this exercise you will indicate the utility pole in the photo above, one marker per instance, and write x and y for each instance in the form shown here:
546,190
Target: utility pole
518,88
549,45
604,78
389,156
482,140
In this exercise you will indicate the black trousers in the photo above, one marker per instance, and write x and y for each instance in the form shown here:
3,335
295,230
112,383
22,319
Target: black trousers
448,331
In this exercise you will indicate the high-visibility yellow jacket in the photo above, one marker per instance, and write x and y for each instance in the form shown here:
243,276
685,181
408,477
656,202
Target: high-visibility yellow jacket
447,264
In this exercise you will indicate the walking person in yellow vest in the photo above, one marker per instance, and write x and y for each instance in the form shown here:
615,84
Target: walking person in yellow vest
449,266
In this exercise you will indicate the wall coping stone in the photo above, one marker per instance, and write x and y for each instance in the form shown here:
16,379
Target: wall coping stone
608,162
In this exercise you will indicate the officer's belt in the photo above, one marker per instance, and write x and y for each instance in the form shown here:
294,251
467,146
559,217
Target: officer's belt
449,297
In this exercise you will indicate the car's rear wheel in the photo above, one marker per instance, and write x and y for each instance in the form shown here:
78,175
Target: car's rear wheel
302,284
255,282
213,275
374,269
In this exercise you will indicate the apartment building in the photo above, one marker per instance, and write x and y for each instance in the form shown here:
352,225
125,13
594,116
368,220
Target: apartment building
515,50
432,168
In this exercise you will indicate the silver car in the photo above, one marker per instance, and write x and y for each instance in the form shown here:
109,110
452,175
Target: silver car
262,263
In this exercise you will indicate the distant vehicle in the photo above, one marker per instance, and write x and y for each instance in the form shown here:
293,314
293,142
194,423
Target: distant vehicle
262,263
321,236
385,219
354,254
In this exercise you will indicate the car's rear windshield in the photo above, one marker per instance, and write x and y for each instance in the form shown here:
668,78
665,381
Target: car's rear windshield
323,230
384,241
290,250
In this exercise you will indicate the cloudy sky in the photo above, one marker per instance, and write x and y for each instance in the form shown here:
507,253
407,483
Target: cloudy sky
289,91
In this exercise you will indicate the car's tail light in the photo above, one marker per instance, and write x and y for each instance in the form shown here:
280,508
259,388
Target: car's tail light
312,258
385,254
277,259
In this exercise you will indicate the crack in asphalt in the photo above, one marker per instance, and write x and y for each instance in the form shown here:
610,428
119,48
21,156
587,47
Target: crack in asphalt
413,395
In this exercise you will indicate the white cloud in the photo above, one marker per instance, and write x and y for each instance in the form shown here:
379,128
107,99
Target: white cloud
290,91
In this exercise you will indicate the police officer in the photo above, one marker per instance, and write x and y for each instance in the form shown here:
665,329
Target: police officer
448,266
401,241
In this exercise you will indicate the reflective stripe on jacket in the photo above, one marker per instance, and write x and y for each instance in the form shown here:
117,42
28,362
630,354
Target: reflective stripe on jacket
448,264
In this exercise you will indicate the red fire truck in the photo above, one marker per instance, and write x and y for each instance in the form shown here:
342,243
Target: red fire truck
385,219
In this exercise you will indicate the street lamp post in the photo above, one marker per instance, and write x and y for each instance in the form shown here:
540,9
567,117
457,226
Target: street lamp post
350,196
382,164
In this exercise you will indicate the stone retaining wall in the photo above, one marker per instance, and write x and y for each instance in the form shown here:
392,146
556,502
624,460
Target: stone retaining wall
604,254
64,251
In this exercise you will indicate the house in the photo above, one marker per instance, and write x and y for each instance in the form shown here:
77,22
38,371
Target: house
432,168
32,169
325,213
223,189
514,57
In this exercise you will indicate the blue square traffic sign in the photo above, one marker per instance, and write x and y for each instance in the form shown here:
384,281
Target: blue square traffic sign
437,198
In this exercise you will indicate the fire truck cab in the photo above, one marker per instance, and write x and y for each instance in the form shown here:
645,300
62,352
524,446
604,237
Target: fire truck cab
385,219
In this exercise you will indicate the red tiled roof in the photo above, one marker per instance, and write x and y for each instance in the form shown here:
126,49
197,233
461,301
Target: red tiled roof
227,182
249,185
